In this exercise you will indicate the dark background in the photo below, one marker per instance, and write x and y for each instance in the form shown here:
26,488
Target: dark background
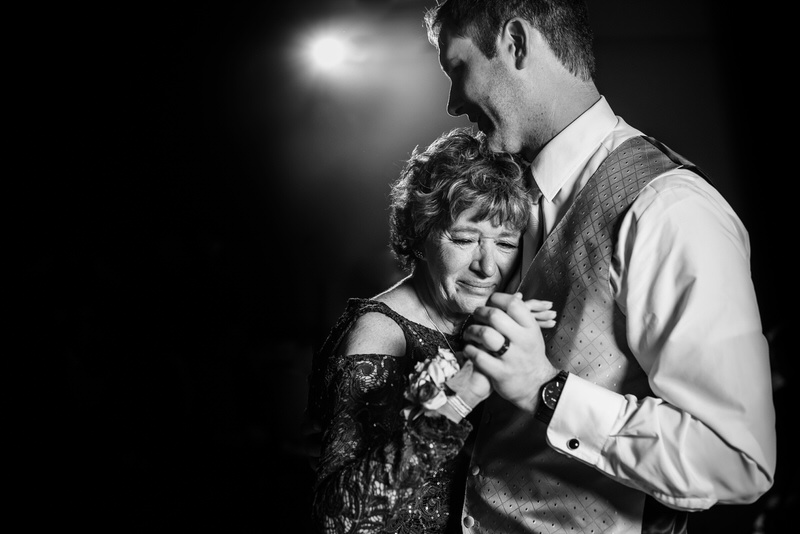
204,204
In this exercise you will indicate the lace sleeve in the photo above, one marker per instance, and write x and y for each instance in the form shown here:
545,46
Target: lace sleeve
379,472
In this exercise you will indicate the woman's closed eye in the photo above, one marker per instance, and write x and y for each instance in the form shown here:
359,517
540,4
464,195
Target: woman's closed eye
466,241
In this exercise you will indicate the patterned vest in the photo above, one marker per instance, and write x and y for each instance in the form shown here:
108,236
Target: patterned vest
517,483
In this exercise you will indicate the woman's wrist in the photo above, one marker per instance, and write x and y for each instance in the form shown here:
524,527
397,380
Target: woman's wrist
469,386
440,386
468,398
426,389
454,409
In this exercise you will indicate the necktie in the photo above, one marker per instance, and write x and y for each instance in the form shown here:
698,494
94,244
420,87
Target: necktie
532,239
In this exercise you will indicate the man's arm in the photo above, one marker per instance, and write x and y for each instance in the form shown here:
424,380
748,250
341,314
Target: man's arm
683,281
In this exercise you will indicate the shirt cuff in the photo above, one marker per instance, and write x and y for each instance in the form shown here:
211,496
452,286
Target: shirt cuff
583,419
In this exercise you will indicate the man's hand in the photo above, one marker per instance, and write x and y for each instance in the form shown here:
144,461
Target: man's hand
519,373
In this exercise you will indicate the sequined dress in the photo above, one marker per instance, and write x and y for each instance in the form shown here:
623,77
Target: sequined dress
379,472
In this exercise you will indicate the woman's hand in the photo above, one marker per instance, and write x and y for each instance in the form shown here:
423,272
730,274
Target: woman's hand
470,384
541,311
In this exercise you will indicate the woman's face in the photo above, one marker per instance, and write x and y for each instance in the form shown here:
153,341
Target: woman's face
469,261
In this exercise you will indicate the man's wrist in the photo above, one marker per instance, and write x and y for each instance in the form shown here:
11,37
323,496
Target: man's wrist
549,395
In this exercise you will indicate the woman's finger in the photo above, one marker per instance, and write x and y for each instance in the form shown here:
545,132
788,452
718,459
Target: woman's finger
535,305
484,362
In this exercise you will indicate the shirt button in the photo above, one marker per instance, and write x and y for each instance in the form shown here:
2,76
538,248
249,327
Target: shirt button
573,444
476,469
468,521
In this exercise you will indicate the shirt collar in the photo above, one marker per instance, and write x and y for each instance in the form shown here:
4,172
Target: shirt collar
563,155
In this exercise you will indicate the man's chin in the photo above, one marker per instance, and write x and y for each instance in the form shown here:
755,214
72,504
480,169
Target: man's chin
497,143
494,142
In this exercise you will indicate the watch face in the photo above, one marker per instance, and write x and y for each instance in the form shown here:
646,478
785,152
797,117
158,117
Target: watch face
547,395
550,393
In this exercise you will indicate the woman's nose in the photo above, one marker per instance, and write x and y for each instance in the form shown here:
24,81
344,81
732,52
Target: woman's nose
485,262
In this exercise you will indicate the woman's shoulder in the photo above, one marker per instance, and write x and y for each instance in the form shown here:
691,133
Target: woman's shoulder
376,329
400,299
358,308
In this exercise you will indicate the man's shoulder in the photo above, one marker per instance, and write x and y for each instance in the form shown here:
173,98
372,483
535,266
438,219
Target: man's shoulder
682,181
683,194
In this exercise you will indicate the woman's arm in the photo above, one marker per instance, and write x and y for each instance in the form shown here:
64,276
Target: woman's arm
373,461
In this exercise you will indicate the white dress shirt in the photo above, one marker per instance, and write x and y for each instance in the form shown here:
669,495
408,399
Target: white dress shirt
681,275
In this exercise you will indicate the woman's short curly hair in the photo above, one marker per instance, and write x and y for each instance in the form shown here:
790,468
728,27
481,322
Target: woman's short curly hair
456,172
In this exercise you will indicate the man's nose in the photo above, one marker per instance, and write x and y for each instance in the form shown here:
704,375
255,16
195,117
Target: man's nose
455,104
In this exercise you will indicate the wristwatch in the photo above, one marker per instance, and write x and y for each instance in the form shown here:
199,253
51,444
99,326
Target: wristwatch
549,395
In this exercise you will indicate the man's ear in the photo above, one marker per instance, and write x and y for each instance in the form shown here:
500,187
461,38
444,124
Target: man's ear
515,40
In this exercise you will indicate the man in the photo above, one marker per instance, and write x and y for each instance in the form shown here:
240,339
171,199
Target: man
652,396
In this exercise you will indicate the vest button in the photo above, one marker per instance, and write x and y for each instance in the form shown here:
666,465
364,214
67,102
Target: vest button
468,521
475,469
573,444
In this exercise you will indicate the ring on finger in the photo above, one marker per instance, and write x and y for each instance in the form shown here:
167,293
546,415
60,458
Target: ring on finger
502,350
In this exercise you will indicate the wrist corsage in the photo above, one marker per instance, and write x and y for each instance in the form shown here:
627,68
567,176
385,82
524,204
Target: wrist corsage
426,386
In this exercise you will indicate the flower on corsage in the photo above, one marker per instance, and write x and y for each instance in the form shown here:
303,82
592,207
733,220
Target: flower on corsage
427,383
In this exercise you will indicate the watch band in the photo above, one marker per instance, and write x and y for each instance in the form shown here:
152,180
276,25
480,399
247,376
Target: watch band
549,396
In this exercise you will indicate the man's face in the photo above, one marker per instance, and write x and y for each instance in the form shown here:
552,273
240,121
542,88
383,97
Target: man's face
482,89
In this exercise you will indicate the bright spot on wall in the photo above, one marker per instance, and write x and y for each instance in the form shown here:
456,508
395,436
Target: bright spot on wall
327,52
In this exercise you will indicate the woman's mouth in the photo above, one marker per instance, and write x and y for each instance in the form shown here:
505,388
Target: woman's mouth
478,288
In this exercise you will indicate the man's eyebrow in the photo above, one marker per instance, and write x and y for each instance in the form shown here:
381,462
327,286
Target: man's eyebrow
448,64
453,64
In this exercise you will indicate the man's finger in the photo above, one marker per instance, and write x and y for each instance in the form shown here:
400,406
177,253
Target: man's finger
486,337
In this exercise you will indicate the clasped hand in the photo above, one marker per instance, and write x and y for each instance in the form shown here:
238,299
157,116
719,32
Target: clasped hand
518,373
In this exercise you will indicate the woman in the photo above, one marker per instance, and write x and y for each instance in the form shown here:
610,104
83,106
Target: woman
388,384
